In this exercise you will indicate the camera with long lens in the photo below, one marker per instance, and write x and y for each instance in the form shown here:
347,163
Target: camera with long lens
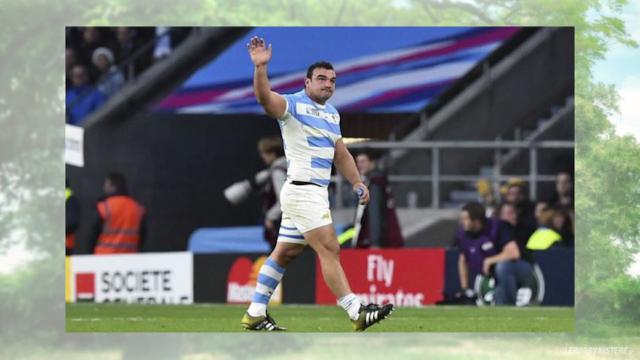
240,191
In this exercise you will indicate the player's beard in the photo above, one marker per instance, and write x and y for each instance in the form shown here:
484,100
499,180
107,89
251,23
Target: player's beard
325,95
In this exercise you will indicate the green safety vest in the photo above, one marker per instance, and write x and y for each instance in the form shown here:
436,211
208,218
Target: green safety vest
67,194
542,239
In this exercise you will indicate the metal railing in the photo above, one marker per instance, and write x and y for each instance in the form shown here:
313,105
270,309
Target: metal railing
436,177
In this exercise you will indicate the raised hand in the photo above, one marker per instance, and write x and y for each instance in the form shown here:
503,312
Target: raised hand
258,50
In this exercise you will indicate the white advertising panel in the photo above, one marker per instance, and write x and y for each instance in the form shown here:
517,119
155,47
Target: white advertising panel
161,278
74,145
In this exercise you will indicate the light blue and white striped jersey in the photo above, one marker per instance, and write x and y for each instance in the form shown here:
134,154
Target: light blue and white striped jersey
309,134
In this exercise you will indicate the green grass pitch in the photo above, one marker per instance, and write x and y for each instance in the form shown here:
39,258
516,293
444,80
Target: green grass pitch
89,317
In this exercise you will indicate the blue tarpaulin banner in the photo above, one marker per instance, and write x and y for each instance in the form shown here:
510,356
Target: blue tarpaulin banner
379,70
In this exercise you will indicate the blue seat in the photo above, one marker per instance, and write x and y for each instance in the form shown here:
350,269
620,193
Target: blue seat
239,239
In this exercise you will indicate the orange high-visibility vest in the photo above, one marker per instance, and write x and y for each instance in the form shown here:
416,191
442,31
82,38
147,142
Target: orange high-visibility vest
121,218
69,239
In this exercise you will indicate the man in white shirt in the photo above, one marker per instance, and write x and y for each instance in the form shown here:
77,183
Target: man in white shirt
313,143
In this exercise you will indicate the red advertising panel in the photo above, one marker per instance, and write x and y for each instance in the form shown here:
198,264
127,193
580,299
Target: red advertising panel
403,277
241,282
85,286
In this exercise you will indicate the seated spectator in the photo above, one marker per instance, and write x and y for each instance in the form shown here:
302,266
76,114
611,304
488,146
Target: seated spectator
111,78
162,47
72,37
562,222
526,222
92,38
485,194
514,261
545,236
70,61
379,226
552,228
128,42
167,39
541,208
508,213
82,98
125,48
479,238
563,196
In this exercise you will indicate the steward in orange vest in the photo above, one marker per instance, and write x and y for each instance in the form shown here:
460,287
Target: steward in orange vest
120,224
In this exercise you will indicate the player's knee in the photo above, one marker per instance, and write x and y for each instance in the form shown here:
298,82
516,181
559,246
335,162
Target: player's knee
284,256
288,255
503,269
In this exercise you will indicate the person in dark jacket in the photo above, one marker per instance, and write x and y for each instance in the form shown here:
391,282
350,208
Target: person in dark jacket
272,153
378,225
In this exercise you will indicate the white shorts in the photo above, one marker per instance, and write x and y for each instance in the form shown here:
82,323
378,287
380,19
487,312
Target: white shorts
304,208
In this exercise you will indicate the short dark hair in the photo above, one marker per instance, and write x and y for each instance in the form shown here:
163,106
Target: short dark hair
319,64
520,185
118,181
476,210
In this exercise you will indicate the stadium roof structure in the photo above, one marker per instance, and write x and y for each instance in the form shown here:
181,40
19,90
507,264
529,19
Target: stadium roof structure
379,70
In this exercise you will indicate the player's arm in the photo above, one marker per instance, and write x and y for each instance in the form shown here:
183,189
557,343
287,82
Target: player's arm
347,167
273,103
463,272
509,252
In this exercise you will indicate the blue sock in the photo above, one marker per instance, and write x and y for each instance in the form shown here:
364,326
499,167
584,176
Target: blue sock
268,279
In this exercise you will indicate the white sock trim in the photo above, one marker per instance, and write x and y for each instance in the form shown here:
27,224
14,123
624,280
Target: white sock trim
351,304
257,309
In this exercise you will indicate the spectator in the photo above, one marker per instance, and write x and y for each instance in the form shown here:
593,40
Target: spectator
517,196
526,222
72,219
92,38
128,43
545,236
81,98
562,222
508,213
514,265
125,48
478,238
485,194
167,39
379,226
162,48
70,61
119,224
272,153
554,228
73,37
541,208
563,196
111,78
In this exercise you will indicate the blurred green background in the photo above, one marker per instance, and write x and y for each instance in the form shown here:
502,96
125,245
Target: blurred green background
32,176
